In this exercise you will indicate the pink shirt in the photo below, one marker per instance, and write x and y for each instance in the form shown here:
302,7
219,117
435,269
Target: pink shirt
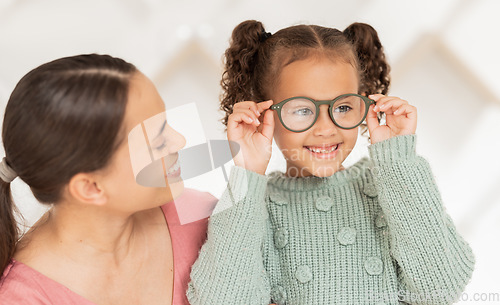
21,284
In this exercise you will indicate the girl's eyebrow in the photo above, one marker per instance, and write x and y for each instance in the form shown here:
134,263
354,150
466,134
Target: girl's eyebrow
161,129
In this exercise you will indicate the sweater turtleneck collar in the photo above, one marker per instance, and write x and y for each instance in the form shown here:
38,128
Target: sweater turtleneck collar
297,184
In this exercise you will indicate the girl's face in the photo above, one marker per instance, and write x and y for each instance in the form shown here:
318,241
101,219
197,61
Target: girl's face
145,109
320,150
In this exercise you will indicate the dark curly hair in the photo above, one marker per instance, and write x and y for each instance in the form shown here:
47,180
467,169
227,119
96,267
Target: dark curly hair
254,60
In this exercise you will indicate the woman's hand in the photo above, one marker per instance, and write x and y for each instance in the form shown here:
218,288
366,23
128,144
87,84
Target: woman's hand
253,137
401,118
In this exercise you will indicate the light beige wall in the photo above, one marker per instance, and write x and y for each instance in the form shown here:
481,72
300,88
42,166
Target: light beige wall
444,56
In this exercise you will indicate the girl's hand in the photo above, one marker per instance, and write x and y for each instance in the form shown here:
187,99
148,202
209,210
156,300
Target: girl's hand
401,118
253,137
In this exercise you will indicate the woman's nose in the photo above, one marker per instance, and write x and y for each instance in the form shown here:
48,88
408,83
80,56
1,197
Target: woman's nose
324,125
175,140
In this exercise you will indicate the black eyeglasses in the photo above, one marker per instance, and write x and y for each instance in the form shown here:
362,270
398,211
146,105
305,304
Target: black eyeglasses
299,113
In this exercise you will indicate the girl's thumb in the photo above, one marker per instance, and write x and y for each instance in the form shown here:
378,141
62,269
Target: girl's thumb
268,125
371,120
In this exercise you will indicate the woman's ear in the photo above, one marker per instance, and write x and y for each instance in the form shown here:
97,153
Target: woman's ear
84,188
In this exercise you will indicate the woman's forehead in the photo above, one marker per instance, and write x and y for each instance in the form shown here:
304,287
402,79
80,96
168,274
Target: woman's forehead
144,101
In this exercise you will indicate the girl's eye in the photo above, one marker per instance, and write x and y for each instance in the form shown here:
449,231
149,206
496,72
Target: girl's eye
303,112
342,109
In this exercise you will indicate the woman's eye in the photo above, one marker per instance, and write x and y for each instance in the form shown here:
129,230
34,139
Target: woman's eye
160,144
303,112
343,108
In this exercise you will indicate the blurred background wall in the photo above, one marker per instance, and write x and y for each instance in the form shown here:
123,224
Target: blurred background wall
444,56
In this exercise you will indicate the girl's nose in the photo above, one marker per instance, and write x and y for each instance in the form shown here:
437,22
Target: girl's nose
324,125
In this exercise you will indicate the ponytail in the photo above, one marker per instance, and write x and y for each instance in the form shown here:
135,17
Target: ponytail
373,65
8,226
241,58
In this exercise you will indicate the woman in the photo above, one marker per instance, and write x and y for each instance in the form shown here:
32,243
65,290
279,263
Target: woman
105,240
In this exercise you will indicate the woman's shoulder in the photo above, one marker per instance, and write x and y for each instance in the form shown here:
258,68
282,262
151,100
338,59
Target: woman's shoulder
20,284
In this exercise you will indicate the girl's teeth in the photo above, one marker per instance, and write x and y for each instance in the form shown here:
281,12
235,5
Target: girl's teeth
323,151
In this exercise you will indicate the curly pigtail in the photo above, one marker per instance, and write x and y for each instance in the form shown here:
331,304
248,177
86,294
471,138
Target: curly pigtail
238,79
373,65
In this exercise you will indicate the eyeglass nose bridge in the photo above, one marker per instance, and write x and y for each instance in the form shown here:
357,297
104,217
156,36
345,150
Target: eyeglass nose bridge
318,104
330,113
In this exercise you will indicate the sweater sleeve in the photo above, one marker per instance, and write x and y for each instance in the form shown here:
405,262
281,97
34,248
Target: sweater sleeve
435,263
230,268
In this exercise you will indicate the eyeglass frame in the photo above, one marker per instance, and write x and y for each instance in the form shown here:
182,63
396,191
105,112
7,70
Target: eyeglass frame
317,103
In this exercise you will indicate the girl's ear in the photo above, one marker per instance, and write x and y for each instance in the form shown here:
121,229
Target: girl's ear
86,189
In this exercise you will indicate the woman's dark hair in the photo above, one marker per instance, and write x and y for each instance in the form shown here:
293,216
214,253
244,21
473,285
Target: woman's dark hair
254,60
63,118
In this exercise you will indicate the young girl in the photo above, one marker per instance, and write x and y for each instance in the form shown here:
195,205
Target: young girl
106,239
374,233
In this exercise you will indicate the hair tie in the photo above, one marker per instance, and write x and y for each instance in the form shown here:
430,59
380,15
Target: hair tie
264,36
6,172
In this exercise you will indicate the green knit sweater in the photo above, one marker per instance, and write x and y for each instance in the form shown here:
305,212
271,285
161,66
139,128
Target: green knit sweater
375,233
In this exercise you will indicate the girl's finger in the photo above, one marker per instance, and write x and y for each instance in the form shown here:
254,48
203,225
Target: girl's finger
412,113
371,119
236,119
249,105
386,105
400,110
409,115
376,97
381,97
381,101
243,105
264,105
252,115
408,110
233,121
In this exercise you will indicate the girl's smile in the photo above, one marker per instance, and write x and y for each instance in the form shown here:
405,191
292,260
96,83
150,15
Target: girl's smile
325,151
320,150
